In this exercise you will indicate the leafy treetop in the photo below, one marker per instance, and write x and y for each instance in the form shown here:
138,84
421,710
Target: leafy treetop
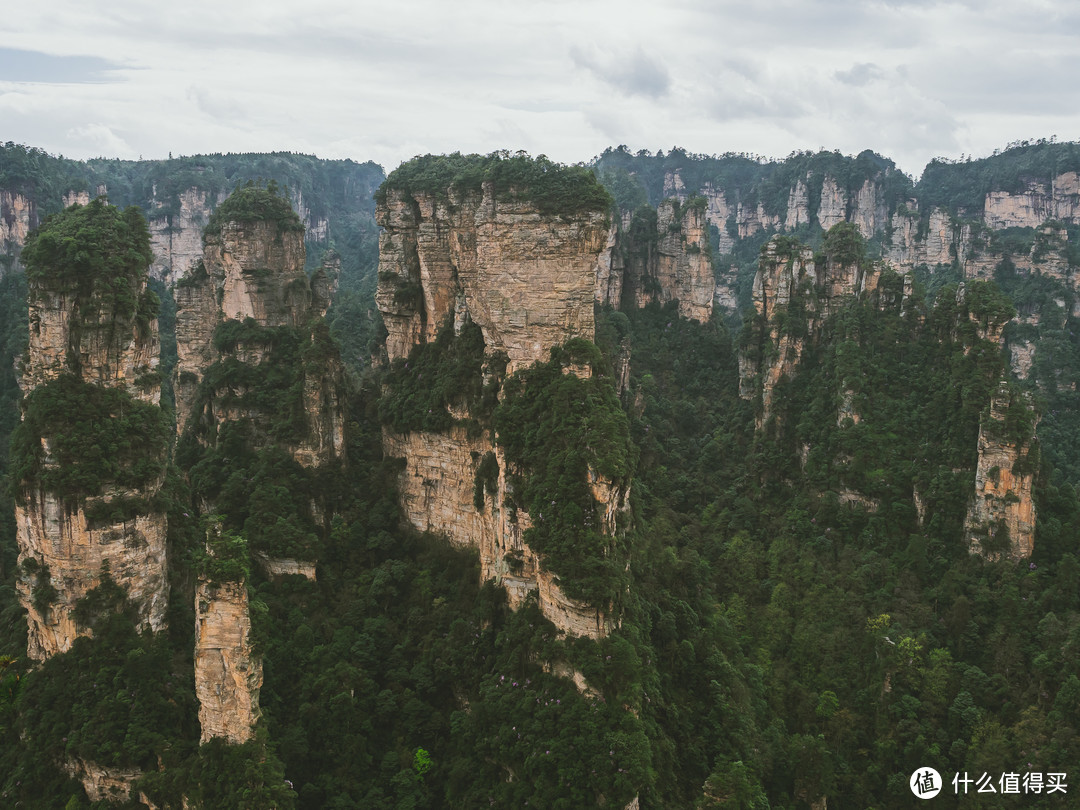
553,187
254,203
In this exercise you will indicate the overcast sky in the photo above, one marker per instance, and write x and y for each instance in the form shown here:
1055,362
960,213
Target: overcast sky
910,79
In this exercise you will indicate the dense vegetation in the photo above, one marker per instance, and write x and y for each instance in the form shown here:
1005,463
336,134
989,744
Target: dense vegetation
552,187
792,626
254,203
562,431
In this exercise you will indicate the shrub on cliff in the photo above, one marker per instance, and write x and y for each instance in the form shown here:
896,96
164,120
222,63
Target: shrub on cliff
559,430
555,189
254,203
95,435
98,252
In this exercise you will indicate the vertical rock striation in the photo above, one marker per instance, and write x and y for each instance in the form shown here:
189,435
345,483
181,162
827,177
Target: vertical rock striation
91,447
252,273
793,293
528,280
1001,515
228,675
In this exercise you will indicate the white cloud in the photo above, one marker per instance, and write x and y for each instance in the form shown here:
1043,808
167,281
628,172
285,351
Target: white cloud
908,78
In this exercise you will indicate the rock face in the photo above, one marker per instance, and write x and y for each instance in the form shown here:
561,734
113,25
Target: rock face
527,280
80,332
100,783
253,272
177,224
1036,204
75,550
437,495
1001,515
670,259
69,333
792,295
176,234
18,216
684,264
228,676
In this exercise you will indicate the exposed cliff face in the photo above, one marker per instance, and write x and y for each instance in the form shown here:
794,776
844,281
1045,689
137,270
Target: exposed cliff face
253,272
177,237
669,259
97,334
103,784
527,280
684,264
1036,204
1001,516
792,294
437,493
911,245
228,676
73,332
59,535
18,216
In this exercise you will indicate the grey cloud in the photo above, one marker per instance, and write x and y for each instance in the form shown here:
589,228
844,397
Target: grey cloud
860,74
636,74
35,66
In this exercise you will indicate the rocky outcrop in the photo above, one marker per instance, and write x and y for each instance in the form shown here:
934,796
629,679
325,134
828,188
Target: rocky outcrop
57,537
1001,516
1037,203
528,280
92,337
792,294
84,333
437,490
669,259
176,228
252,272
284,566
18,216
228,676
684,261
103,784
912,243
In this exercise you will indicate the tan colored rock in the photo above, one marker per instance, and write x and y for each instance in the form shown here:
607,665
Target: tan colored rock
870,214
751,219
18,216
781,277
284,567
77,334
717,212
674,186
58,535
176,239
256,270
228,676
76,198
833,207
1003,497
683,266
436,489
798,207
100,783
527,280
68,334
610,272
